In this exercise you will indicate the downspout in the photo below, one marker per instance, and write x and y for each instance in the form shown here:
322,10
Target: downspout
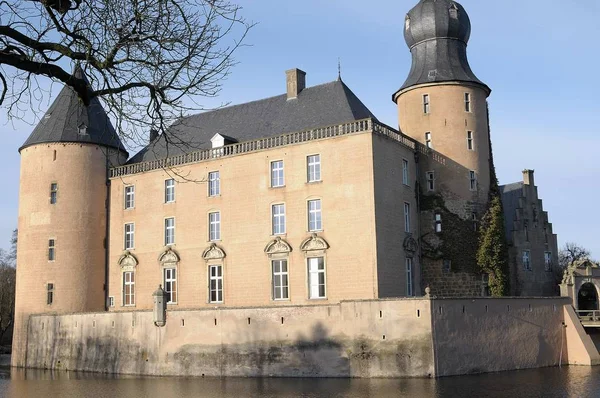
107,232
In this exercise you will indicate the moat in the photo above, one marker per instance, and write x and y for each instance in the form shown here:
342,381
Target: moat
570,381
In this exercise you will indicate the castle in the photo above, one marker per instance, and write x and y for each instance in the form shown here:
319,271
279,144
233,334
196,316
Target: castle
305,198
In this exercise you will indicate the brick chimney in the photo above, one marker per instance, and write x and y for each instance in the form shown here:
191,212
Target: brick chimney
528,177
296,82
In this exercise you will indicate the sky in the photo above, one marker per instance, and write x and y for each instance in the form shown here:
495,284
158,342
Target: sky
539,57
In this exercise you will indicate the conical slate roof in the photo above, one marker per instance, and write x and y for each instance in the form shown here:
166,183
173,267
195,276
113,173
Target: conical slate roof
69,120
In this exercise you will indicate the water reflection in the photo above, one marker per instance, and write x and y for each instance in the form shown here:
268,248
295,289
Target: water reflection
551,382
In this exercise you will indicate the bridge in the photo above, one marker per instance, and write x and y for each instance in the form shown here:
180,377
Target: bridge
589,318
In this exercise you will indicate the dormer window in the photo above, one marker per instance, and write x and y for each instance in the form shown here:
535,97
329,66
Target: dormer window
453,11
407,23
82,129
220,140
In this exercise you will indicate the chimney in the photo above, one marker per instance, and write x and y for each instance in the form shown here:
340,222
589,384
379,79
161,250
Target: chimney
296,82
528,177
153,135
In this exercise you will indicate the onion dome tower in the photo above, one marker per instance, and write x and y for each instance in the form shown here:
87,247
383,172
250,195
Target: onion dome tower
63,199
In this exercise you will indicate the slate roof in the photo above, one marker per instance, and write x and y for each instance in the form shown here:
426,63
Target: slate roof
510,202
66,114
318,106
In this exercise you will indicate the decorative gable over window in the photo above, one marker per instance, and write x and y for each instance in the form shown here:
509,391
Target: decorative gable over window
127,261
168,258
278,246
213,252
314,244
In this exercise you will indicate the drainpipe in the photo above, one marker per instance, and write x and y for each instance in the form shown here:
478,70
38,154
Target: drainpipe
107,232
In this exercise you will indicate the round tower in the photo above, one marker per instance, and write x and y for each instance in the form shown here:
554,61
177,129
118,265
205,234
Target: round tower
63,198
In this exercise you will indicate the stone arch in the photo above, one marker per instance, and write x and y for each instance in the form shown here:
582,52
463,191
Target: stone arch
587,297
314,243
213,252
128,260
278,246
168,258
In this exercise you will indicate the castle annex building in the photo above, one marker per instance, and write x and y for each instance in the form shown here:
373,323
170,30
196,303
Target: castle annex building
305,198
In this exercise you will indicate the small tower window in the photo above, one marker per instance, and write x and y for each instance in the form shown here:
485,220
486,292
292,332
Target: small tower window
49,293
474,219
430,180
438,222
428,140
453,11
526,262
51,250
53,193
425,103
446,266
472,180
467,102
470,140
407,22
82,129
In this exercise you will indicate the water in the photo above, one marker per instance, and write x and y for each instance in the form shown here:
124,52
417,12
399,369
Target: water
577,382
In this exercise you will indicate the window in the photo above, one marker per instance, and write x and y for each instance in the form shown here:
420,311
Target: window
409,278
467,102
169,231
128,288
425,103
314,168
49,293
129,236
280,280
472,181
129,197
53,193
214,183
526,262
277,179
169,190
446,266
278,219
470,140
214,226
404,171
545,235
430,176
51,250
315,222
428,140
316,278
111,301
438,222
474,219
548,261
171,285
526,234
406,217
215,284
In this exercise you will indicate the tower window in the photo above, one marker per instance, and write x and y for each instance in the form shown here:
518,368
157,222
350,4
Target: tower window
51,250
404,171
214,183
129,197
438,222
169,231
425,103
467,102
472,180
53,193
526,262
169,190
430,175
548,261
406,217
428,140
470,140
49,293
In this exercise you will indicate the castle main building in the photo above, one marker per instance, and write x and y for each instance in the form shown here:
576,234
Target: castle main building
304,198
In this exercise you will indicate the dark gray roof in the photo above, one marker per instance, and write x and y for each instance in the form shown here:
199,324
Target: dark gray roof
437,32
510,194
62,122
319,106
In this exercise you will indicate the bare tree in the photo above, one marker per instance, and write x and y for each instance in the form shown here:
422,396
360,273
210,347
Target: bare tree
149,61
7,296
570,254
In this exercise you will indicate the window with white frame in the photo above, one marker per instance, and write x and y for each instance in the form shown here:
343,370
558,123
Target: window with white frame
169,231
169,190
404,171
129,196
409,277
280,280
53,193
214,183
548,261
128,288
129,236
313,163
51,250
215,286
472,180
428,140
277,176
170,283
214,226
526,260
470,146
467,102
111,301
316,278
278,219
438,222
406,217
425,103
49,293
315,223
430,177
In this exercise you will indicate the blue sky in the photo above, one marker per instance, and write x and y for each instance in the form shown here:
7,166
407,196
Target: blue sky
539,57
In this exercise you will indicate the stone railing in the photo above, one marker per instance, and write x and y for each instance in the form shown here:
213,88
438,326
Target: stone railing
357,126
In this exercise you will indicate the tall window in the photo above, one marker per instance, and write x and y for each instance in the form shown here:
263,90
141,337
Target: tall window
169,231
280,280
526,260
129,236
430,176
438,222
526,233
474,219
53,192
425,103
406,217
49,293
315,222
467,102
51,250
128,288
409,278
404,171
428,140
169,190
129,196
278,219
216,284
214,183
277,179
171,285
472,181
548,261
314,168
214,226
316,278
470,140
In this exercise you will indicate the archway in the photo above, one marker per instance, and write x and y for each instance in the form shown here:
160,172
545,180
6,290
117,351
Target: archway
587,298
